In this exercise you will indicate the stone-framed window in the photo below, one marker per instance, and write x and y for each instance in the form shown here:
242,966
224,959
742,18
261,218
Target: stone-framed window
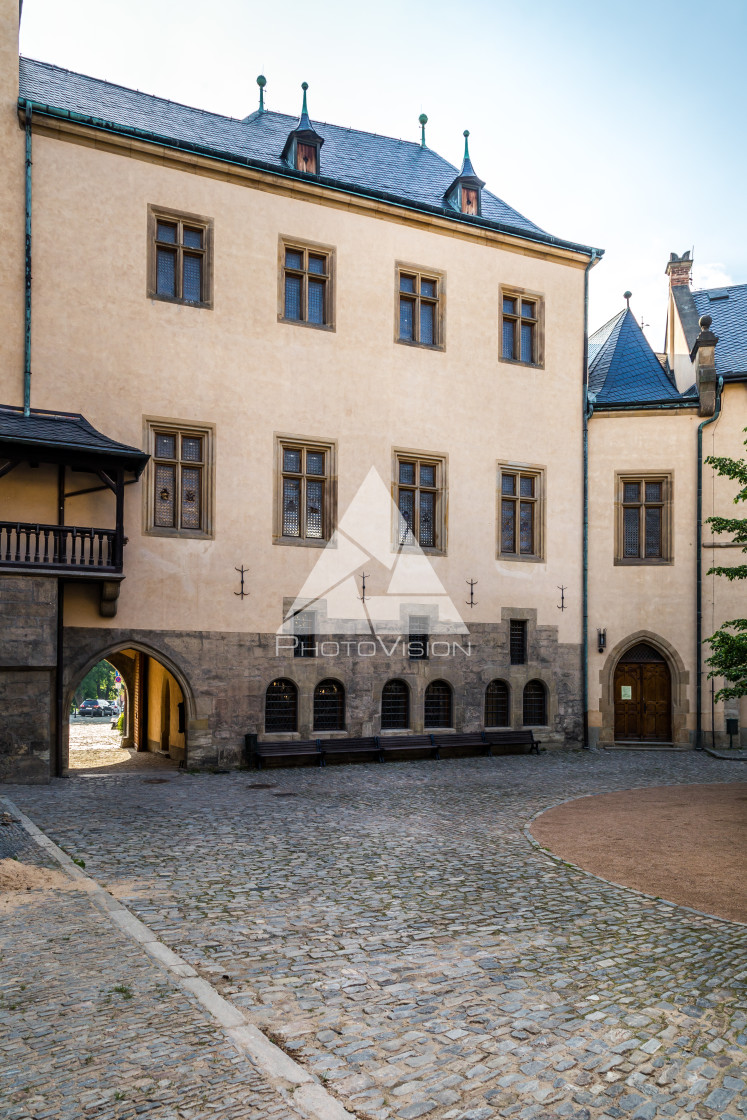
643,523
306,284
498,704
521,512
329,706
420,493
438,707
517,641
305,504
522,327
395,706
535,704
180,257
420,306
281,706
179,478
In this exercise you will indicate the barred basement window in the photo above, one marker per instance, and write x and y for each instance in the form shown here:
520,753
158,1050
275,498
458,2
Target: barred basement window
281,706
178,488
180,257
420,306
497,705
438,705
535,704
521,512
644,519
305,492
522,323
518,641
420,497
306,295
395,706
329,706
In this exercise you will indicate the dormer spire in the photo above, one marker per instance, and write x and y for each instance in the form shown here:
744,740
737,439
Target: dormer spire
261,82
423,121
465,192
303,147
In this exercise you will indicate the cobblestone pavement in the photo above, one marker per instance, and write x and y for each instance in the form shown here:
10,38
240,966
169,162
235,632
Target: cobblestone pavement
96,747
394,926
90,1027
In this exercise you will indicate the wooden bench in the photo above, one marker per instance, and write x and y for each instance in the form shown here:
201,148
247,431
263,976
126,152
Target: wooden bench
364,745
511,738
388,744
289,748
466,740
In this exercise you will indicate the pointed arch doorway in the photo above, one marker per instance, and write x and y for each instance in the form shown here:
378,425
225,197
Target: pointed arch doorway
643,696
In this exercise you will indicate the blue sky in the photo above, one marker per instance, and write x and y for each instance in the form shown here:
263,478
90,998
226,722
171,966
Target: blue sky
617,125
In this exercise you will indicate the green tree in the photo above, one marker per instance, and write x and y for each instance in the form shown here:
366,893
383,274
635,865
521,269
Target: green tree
98,683
729,643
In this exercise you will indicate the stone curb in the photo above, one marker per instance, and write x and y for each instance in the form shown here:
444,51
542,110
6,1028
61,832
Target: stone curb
295,1083
609,882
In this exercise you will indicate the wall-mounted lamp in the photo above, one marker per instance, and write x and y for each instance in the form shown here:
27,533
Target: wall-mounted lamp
601,640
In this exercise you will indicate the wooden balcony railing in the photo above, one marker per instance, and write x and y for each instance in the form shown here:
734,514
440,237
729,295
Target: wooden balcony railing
59,548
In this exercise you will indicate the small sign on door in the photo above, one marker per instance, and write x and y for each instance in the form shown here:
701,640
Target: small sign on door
626,692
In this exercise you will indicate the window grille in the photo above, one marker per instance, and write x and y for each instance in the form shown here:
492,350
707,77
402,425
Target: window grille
304,627
419,501
417,643
395,706
281,706
438,705
518,641
497,707
643,509
535,704
305,481
329,706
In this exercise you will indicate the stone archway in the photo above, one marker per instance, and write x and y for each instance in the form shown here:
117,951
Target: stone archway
160,700
679,679
643,696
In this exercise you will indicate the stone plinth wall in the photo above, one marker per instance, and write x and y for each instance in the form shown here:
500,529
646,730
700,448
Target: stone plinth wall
224,677
28,645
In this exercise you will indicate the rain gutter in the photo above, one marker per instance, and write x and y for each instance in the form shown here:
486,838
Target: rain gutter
587,411
27,310
150,137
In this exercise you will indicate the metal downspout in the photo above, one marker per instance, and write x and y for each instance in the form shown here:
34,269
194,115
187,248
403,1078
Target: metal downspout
27,322
585,547
699,575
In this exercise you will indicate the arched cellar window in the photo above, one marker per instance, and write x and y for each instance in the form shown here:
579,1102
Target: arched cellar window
535,704
281,706
395,706
329,706
438,704
497,707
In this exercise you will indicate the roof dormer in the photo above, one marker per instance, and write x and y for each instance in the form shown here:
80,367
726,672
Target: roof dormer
465,193
303,147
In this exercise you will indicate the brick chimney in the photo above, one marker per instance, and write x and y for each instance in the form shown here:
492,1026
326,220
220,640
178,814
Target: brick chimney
678,269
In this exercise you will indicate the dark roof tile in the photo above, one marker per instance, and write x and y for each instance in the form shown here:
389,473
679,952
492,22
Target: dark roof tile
728,309
623,369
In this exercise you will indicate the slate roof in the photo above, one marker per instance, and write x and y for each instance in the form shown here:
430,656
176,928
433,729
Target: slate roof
398,170
728,309
60,436
623,369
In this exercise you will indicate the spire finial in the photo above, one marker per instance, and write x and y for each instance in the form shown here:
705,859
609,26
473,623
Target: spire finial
304,110
261,82
466,144
627,297
423,120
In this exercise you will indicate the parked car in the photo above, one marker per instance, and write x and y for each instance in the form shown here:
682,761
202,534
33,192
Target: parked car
95,708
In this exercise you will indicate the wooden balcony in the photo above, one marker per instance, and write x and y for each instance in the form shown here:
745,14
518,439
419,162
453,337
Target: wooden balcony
60,549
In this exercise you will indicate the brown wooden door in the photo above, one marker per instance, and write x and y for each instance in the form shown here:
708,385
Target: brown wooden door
643,702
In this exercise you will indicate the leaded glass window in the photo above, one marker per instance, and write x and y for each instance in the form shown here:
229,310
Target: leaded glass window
643,527
420,308
520,329
395,706
179,462
419,489
306,282
520,522
305,489
180,259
